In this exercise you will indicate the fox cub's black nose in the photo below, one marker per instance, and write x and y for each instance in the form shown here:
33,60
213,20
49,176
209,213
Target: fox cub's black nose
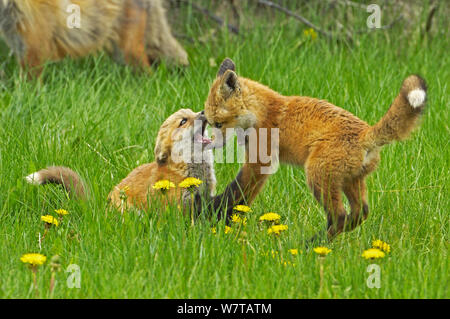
201,116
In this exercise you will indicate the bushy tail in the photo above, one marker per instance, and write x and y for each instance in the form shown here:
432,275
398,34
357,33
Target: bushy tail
64,176
402,117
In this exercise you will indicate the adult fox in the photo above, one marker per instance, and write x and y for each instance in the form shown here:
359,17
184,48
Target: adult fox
337,149
135,31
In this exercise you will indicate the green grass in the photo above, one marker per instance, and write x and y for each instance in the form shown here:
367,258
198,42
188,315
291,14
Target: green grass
101,119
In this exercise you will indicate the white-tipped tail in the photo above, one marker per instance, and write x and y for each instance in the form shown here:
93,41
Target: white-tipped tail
61,175
416,97
34,178
402,117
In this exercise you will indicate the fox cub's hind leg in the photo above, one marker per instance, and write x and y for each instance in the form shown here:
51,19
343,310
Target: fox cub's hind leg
328,192
356,193
325,178
327,189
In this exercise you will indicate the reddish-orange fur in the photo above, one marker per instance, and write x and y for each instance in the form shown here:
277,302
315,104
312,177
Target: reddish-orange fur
136,189
137,186
133,30
337,149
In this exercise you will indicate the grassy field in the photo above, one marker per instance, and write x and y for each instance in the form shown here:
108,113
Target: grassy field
101,119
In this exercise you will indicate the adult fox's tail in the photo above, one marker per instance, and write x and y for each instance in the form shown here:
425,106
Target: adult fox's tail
64,176
402,117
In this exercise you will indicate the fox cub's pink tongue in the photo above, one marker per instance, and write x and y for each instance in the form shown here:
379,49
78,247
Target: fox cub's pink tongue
199,138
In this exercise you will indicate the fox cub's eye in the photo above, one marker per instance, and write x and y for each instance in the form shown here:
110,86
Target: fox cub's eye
183,121
218,125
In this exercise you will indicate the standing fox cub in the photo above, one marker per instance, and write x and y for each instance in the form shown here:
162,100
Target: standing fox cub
177,135
337,149
134,30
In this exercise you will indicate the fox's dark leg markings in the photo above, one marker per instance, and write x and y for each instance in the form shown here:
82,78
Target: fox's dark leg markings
232,195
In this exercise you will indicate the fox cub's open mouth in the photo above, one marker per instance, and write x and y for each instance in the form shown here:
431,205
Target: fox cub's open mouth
200,136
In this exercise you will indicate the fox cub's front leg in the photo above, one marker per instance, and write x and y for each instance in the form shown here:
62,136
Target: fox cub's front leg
261,160
242,190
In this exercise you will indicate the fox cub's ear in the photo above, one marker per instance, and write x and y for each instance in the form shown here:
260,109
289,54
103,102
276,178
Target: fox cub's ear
227,64
229,84
162,152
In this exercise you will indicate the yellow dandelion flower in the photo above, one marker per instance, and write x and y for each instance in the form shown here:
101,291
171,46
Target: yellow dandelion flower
322,251
277,229
213,230
49,219
310,34
381,245
33,259
235,218
293,252
270,217
373,253
242,208
61,212
190,182
163,185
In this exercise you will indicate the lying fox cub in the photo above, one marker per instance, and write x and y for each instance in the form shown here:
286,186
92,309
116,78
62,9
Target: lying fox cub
180,152
337,149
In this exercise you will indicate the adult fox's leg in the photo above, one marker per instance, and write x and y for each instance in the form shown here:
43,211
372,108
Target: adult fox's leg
132,35
38,49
